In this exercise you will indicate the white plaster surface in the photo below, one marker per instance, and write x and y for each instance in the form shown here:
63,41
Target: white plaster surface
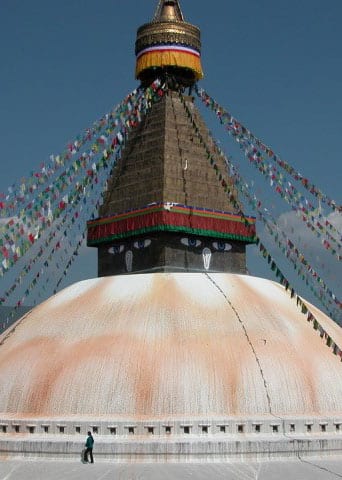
161,345
74,470
171,349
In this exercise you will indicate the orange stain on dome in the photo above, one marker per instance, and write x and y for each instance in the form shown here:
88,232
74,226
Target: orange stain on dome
168,351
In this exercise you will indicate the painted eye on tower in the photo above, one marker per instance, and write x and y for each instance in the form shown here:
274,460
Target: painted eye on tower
191,242
222,246
116,249
140,244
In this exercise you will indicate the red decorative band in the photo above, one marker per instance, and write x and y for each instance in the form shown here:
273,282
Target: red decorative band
170,217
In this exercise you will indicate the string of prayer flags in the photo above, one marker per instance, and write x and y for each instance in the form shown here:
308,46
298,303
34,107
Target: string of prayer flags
43,200
18,193
256,152
40,214
49,262
83,189
301,266
283,243
336,350
60,231
238,127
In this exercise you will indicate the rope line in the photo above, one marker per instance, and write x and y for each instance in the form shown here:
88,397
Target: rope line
271,261
247,337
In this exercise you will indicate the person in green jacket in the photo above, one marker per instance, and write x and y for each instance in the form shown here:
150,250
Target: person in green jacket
89,448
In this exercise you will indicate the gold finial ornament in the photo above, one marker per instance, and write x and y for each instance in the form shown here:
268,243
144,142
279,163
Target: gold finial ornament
168,46
168,11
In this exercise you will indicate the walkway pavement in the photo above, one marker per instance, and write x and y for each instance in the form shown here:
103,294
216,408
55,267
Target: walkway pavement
73,470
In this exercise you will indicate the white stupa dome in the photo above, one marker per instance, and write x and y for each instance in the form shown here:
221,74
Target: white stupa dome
170,345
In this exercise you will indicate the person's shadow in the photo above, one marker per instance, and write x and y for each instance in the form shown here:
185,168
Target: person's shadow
82,456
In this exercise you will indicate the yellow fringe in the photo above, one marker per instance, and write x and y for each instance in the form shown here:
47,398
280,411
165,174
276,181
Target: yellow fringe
174,59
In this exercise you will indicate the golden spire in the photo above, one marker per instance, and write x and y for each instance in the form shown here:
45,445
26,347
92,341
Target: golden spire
168,11
168,46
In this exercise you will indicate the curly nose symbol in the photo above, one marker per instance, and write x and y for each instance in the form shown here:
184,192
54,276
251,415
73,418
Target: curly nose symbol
206,254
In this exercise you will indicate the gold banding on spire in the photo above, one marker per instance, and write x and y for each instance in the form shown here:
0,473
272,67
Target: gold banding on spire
168,46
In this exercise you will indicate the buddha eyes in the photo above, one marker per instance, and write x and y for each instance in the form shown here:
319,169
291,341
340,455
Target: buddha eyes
222,246
191,242
116,249
187,241
195,242
140,244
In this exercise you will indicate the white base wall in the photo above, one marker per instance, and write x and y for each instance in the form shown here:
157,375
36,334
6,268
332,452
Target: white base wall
180,450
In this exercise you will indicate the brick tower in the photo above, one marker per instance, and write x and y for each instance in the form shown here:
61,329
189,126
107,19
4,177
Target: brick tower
165,209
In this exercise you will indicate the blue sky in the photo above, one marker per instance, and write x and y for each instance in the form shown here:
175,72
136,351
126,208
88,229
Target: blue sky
275,65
